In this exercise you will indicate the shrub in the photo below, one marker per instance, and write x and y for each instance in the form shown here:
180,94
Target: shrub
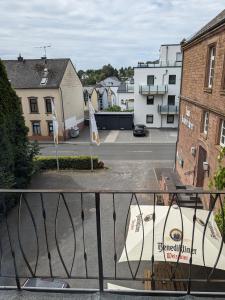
68,162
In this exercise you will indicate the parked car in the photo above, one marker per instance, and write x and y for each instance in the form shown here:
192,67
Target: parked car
46,283
139,130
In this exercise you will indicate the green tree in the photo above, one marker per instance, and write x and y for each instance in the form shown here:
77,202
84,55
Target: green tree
16,153
218,182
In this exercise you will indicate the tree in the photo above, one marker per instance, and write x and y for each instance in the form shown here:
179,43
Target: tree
218,182
16,153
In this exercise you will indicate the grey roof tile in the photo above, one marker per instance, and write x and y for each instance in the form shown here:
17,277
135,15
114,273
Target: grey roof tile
29,72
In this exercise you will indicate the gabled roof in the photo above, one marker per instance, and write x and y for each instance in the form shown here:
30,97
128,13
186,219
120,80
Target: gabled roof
110,81
217,21
28,73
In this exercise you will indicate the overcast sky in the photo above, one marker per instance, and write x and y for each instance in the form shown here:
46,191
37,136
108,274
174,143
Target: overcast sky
97,32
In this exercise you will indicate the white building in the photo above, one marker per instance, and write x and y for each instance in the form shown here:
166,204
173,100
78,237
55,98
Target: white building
111,84
125,95
157,89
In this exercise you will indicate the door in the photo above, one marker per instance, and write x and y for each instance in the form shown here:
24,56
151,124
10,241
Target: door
202,155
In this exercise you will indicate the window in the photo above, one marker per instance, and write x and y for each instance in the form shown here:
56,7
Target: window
222,134
149,119
48,105
210,66
33,105
171,100
44,81
50,127
178,56
172,79
150,100
100,102
206,122
36,128
150,79
170,119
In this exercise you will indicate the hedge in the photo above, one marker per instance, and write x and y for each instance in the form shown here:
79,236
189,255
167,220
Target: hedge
68,162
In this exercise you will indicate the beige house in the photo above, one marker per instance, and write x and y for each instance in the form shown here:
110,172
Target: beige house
90,93
39,81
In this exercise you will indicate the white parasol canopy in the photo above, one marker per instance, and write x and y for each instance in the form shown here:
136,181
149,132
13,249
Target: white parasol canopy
173,243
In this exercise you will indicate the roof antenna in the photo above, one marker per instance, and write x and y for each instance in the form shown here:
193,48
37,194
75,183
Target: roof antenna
44,48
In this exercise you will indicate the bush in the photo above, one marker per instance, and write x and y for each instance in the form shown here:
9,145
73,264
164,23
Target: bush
68,162
114,108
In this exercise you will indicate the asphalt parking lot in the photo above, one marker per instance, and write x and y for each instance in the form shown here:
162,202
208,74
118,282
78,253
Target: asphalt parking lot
126,136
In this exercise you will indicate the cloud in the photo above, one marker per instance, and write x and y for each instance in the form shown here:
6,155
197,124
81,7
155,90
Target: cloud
97,32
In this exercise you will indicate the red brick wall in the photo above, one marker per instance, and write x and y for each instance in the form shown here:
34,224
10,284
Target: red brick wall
196,99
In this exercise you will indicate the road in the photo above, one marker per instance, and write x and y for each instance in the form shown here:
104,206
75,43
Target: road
116,151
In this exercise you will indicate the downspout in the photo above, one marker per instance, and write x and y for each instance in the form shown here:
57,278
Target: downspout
178,132
63,114
167,55
163,81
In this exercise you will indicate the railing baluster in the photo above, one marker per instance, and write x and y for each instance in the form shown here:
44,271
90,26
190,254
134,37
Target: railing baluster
153,246
11,249
83,235
99,242
192,244
114,236
46,234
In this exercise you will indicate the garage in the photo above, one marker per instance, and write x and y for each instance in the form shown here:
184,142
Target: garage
114,120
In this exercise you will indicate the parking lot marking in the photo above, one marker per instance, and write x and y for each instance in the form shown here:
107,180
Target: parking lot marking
112,136
140,151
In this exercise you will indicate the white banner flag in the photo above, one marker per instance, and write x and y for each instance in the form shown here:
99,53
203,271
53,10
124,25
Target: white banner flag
92,123
55,123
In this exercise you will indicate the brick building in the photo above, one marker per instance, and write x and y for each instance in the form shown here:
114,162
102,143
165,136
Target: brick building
202,104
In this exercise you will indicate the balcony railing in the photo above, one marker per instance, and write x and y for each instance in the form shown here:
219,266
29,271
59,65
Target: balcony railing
168,109
126,88
158,64
85,239
153,89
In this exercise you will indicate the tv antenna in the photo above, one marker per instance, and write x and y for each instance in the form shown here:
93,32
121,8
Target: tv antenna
44,48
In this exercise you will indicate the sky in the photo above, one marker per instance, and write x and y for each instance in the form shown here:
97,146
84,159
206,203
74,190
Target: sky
97,32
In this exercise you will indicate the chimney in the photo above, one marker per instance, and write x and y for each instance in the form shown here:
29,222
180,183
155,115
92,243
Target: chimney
20,58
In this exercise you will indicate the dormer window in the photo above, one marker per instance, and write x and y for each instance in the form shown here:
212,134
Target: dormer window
44,81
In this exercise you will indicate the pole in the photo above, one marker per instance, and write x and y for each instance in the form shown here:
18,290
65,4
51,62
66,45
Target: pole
57,157
92,165
90,148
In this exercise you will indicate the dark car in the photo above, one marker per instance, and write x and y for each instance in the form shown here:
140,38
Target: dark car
45,283
139,130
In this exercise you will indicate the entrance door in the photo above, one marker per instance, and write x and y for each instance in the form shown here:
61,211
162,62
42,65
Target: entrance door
202,155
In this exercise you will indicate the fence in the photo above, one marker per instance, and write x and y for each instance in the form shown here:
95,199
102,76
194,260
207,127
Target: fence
80,236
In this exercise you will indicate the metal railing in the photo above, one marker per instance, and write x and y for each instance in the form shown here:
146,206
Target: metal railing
168,109
78,236
159,64
126,88
153,89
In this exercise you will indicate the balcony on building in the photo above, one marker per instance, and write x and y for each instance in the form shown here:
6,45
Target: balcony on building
168,109
159,64
153,89
125,88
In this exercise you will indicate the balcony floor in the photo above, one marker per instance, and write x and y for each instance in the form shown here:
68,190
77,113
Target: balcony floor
30,295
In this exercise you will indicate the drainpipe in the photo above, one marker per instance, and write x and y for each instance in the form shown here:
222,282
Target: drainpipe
167,48
63,114
163,81
182,51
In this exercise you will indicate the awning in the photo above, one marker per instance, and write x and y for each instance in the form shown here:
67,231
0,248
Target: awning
177,239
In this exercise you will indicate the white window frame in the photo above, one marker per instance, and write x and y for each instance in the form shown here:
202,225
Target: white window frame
206,122
149,116
211,66
222,134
